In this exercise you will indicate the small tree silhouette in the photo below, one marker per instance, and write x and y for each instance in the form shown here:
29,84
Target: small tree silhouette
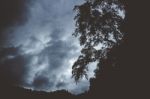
97,23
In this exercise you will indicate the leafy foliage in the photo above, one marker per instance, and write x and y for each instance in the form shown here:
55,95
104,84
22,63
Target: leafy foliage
97,23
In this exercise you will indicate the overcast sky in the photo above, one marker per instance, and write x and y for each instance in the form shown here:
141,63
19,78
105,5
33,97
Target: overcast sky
41,51
38,50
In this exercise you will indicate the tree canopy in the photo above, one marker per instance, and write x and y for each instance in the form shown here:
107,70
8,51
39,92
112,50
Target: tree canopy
97,27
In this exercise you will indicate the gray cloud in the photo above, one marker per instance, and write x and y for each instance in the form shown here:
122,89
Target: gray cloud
41,82
44,49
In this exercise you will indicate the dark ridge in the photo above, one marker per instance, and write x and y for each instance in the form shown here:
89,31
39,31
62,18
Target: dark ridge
8,92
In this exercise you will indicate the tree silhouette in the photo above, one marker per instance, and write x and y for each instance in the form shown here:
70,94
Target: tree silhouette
97,27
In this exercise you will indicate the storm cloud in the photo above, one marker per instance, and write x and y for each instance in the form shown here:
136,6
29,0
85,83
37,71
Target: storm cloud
38,52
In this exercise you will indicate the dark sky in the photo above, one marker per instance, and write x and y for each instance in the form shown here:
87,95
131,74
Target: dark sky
37,46
37,49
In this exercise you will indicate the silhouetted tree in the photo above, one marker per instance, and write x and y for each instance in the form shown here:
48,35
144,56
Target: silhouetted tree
97,26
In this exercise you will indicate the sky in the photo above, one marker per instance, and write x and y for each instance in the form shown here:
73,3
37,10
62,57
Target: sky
40,49
37,49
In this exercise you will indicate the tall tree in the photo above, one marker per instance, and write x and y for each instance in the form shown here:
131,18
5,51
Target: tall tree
97,27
